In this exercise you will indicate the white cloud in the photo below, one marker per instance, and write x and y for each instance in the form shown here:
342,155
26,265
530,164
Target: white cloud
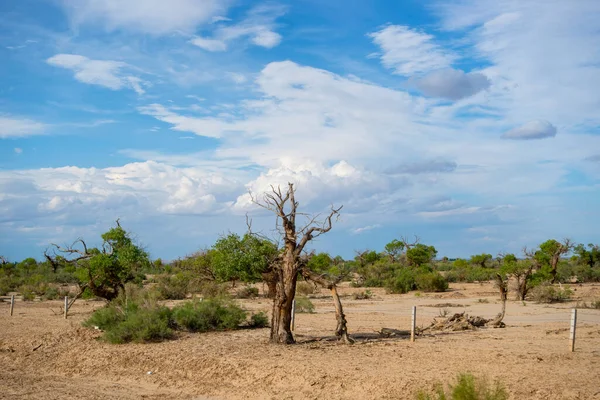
537,129
424,167
451,84
259,26
209,44
98,72
364,229
154,17
12,127
237,77
18,150
408,51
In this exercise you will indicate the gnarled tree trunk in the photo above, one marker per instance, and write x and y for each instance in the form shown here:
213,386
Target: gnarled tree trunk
287,265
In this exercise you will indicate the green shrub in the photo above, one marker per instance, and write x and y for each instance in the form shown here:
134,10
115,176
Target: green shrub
28,292
403,282
247,292
304,305
52,293
305,288
208,315
212,289
259,320
467,387
546,293
134,316
364,295
172,287
431,282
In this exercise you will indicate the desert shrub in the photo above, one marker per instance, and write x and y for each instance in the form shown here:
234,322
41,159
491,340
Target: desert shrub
172,287
52,293
28,292
546,293
142,325
364,295
134,316
212,289
305,288
304,305
247,292
470,274
403,282
431,282
467,387
208,315
259,320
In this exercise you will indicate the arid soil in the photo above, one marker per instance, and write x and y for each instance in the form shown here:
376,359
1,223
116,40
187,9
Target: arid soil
44,356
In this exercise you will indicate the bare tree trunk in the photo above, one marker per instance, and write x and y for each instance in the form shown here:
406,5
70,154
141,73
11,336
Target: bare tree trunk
341,330
281,324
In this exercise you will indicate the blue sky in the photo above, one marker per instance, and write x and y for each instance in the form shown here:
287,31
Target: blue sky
473,124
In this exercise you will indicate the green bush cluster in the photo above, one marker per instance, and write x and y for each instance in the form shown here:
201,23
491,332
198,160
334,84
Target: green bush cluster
247,292
467,387
214,314
546,293
407,279
136,316
304,305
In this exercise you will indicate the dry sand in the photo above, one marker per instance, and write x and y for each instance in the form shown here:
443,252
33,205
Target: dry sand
43,356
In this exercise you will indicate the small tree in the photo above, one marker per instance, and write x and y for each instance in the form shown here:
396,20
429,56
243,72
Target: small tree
550,253
247,258
420,254
105,270
394,249
481,259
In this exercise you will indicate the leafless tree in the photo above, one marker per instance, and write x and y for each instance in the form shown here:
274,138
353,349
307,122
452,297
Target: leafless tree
290,261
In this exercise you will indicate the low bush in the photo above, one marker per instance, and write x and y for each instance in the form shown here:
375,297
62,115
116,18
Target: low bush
403,282
305,288
172,287
546,293
247,292
134,316
212,289
364,295
431,282
467,387
259,320
52,293
208,315
304,305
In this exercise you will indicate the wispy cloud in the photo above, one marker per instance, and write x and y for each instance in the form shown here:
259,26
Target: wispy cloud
13,127
105,73
538,129
364,229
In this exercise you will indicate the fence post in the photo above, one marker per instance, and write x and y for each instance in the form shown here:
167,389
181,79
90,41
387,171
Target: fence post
573,328
12,304
413,323
66,306
293,314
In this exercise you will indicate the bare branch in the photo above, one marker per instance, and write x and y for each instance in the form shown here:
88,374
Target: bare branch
316,231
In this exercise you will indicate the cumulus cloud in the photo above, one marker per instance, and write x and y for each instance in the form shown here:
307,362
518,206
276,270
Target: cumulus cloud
258,26
98,72
408,51
154,17
12,127
451,84
424,167
537,129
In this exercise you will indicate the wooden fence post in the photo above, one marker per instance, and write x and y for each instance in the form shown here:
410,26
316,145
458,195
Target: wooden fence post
293,314
573,328
12,304
413,323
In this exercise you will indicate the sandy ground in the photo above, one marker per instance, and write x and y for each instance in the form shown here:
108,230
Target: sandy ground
44,356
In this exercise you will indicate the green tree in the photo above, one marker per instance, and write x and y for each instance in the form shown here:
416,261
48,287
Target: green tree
105,270
320,263
550,253
420,254
244,258
481,259
394,249
589,256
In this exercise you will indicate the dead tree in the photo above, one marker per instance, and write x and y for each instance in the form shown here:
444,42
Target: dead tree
288,264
